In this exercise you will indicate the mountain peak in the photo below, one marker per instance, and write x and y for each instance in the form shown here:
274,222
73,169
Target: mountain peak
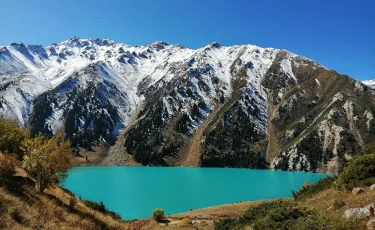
215,45
158,45
79,42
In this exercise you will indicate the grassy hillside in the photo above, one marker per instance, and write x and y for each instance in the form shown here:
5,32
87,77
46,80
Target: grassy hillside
26,204
319,206
21,207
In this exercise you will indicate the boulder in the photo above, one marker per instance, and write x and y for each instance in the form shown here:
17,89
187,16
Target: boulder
372,187
357,190
371,224
364,212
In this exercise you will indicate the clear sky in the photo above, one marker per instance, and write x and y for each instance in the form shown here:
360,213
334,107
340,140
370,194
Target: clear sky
339,34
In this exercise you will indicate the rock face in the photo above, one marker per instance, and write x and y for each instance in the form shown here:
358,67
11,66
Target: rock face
237,106
364,212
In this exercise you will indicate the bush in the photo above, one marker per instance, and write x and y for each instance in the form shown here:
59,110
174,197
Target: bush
360,171
274,214
185,222
337,204
368,149
7,166
96,206
158,214
11,138
47,160
227,224
312,189
285,215
72,202
101,208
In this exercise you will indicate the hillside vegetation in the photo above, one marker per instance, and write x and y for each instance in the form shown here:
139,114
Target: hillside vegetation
328,204
30,168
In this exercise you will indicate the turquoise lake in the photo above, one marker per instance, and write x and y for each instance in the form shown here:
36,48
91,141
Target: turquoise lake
134,191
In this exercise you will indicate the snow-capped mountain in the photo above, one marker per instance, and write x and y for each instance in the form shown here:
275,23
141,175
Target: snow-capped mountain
237,106
370,83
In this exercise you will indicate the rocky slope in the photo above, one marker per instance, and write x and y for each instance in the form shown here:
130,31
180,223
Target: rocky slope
237,106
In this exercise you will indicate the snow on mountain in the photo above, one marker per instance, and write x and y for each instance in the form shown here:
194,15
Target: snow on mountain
370,83
28,71
267,105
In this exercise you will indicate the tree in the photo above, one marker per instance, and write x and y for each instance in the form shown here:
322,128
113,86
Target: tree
158,214
7,167
47,160
360,171
11,138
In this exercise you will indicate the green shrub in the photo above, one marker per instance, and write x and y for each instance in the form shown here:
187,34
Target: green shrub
72,202
285,215
101,208
7,167
98,207
158,214
337,204
360,171
227,224
12,137
368,149
320,221
312,189
271,215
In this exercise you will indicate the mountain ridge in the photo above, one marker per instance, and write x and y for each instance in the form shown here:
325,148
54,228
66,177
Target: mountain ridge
90,89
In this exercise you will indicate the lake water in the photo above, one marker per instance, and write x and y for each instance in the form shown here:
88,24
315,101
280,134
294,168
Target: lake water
134,191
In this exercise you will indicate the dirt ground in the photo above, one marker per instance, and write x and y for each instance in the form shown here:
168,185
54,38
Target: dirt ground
90,157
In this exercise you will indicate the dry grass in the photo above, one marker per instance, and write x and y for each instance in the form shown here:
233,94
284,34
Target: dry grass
325,199
217,212
21,207
94,157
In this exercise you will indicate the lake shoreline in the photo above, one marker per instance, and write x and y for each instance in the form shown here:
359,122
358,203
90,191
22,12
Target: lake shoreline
230,210
131,191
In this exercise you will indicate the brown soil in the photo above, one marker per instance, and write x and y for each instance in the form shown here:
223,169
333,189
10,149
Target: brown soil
93,157
272,148
189,154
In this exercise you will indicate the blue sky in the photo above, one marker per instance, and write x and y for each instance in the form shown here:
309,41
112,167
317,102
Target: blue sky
339,34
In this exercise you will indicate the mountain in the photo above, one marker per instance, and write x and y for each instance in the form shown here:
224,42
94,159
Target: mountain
236,106
370,83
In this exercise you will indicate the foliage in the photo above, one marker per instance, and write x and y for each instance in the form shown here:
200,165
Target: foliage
185,222
72,202
360,171
230,139
275,214
7,166
367,149
11,138
147,129
47,160
101,208
337,204
285,215
158,214
312,189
